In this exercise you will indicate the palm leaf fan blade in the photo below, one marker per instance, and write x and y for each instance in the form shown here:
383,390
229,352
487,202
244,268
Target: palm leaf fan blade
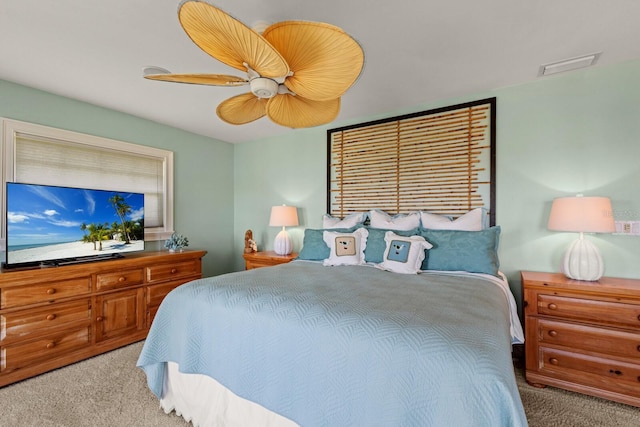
229,40
324,59
297,112
242,109
200,79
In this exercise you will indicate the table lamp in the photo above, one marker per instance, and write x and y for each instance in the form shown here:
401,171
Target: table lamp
283,216
582,260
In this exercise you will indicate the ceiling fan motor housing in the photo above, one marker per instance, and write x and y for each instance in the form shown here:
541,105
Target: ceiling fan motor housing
263,87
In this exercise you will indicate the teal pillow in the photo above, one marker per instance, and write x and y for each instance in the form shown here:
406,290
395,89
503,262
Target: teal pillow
313,246
455,250
376,245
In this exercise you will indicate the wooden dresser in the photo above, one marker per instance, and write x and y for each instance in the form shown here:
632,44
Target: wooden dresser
51,317
583,336
266,259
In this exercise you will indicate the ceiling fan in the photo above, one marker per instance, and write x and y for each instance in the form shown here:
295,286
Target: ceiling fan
296,70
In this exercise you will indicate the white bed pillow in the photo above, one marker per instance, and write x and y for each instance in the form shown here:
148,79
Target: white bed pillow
403,254
471,221
345,248
380,219
348,221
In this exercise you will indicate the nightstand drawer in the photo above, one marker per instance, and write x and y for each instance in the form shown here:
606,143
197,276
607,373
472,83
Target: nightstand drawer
25,323
603,312
602,373
600,340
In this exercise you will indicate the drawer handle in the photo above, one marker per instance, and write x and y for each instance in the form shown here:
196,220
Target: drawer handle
51,316
638,316
553,361
638,348
122,279
174,270
611,371
51,291
552,306
99,319
51,345
554,334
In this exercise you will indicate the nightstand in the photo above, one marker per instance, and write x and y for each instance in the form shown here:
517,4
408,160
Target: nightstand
583,336
266,259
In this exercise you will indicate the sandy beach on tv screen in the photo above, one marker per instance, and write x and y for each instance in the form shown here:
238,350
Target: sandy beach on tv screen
73,250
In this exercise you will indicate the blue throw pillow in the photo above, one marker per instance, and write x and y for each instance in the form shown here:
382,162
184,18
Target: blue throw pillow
376,245
454,250
313,246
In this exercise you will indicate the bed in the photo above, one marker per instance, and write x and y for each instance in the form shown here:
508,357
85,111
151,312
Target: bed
312,343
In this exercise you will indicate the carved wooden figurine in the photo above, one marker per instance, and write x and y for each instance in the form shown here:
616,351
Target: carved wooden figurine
249,243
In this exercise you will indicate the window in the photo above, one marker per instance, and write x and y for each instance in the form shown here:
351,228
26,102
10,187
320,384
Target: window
38,154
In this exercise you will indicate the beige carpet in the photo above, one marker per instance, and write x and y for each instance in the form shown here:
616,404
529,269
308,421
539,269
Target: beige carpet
108,390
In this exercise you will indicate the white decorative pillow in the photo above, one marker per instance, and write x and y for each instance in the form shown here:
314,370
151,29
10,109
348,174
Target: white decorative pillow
348,221
380,219
471,221
345,248
403,254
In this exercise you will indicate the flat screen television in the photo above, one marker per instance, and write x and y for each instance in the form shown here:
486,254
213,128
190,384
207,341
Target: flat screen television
50,225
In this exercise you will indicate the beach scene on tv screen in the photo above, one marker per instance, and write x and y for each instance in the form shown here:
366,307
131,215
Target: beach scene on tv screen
50,223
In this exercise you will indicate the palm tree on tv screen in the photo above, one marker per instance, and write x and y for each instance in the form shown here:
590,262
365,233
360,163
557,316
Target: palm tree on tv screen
122,209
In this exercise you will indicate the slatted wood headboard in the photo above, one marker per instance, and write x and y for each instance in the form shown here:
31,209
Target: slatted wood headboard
441,161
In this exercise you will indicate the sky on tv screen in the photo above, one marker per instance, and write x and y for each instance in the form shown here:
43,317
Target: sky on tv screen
42,215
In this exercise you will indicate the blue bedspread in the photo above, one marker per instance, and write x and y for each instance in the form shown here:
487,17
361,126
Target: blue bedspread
345,346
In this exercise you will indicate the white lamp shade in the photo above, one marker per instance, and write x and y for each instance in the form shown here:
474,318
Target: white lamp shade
582,260
282,216
582,214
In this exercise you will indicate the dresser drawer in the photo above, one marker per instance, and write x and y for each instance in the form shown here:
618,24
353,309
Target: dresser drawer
601,340
43,349
157,273
20,324
119,279
156,293
603,312
602,373
43,292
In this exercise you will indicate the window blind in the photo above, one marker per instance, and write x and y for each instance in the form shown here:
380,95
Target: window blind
53,162
440,161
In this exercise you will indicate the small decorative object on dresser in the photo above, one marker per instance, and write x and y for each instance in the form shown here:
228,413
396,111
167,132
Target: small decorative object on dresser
266,259
249,244
177,242
583,336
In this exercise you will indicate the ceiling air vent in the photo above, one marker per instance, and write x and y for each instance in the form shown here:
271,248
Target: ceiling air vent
569,64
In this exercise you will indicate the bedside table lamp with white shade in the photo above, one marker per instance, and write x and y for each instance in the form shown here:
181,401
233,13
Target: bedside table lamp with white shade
283,216
582,260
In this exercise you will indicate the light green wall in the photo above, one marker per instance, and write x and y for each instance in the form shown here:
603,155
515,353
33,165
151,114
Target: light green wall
572,133
203,167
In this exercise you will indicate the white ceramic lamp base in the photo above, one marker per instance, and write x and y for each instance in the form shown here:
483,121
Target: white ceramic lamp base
282,243
582,261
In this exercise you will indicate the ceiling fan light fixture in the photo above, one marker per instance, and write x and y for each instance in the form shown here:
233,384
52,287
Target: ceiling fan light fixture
263,87
296,70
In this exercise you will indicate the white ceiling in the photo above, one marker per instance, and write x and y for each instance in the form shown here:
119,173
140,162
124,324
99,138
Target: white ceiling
416,51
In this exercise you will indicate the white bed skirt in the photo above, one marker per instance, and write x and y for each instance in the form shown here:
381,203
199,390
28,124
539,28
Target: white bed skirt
205,402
